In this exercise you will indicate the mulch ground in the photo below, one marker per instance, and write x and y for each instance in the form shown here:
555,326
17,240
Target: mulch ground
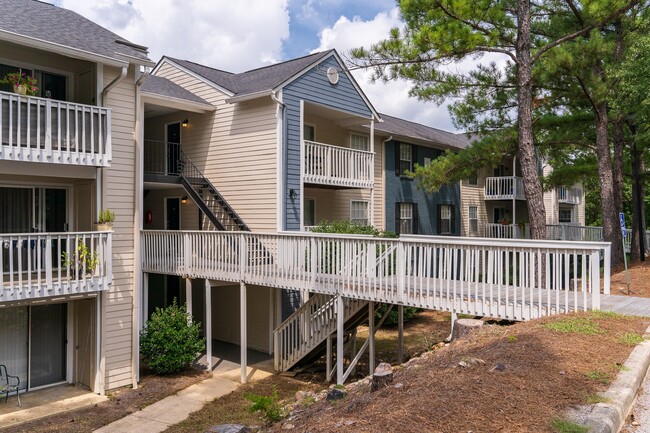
639,274
545,372
121,403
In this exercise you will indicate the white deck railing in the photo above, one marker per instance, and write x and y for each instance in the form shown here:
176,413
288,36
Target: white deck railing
37,129
506,231
40,265
338,166
513,279
570,195
504,188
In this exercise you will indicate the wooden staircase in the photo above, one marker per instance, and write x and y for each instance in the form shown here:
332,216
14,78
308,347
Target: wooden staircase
305,332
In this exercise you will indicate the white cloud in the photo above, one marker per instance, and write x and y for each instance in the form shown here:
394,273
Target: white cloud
229,35
389,98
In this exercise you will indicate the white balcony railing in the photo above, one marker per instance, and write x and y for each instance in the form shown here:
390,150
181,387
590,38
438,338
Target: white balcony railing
504,188
40,265
486,277
37,129
338,166
570,195
506,231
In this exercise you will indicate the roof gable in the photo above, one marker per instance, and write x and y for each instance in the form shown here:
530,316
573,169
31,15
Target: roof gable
54,25
404,128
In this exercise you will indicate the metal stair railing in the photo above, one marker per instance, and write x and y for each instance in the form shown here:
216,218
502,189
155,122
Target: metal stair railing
207,197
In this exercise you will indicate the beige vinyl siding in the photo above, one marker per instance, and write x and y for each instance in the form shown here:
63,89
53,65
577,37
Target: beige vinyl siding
473,196
380,196
236,148
119,191
580,208
226,315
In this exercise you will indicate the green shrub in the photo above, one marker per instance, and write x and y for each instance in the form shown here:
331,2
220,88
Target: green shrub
269,406
350,228
409,313
169,341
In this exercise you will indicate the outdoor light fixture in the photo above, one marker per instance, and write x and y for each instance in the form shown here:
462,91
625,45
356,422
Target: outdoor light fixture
293,194
185,123
184,199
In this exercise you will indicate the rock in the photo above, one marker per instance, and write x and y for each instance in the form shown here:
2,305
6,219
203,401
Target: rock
288,426
382,376
497,368
335,394
301,395
463,327
398,385
470,362
228,428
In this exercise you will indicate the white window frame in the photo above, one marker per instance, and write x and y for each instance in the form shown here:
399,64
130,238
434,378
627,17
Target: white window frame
472,217
445,215
362,218
406,214
355,144
401,159
559,215
306,125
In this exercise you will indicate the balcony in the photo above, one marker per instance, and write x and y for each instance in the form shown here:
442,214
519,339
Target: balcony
34,129
569,195
338,166
506,231
504,188
40,265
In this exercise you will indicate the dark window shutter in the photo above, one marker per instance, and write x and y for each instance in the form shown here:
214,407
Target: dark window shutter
397,160
452,222
414,157
397,214
439,220
415,218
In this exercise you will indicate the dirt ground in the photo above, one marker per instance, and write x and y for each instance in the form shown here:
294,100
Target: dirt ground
121,403
545,372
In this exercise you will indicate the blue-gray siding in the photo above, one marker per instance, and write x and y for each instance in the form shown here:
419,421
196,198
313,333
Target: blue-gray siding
312,86
402,189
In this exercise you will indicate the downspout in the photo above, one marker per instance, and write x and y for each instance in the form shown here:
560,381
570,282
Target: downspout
100,180
137,227
283,180
514,197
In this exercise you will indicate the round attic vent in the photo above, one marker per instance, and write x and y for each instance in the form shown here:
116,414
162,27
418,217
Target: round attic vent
332,75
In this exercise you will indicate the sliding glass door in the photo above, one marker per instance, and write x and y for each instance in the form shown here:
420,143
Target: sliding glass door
48,345
29,209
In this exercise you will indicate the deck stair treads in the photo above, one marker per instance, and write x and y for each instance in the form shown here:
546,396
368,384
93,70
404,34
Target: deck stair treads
307,329
207,197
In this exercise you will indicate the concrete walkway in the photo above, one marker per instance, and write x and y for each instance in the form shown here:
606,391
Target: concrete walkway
175,408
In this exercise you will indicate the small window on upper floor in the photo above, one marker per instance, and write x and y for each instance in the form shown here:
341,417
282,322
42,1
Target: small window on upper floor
473,179
404,158
565,216
360,142
308,132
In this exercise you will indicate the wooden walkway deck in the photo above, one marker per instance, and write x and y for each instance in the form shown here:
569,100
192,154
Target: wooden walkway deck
628,305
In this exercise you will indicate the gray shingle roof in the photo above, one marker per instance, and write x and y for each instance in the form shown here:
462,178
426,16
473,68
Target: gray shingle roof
162,86
53,24
256,80
404,128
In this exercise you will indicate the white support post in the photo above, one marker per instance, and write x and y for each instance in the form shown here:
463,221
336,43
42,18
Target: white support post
400,334
340,324
188,299
145,299
208,323
328,361
607,265
371,337
242,326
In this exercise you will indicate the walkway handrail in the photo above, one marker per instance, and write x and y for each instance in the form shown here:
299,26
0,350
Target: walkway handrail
515,279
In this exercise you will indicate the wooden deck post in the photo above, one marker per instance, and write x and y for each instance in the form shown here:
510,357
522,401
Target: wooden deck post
371,337
242,330
400,334
340,324
208,323
188,299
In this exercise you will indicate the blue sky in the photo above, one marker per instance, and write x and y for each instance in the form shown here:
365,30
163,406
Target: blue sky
238,35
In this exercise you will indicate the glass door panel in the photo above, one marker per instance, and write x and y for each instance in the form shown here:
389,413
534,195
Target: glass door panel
48,344
13,342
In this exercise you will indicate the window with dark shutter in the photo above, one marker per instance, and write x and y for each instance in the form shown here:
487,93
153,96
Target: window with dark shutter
446,219
405,218
404,157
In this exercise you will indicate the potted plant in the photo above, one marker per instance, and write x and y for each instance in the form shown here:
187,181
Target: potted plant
105,220
504,221
80,261
22,83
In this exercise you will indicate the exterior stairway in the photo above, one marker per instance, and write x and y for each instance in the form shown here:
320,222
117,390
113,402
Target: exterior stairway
305,332
207,198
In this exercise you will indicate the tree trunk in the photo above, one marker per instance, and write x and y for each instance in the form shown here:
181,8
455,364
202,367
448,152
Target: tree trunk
638,208
527,157
611,227
617,168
